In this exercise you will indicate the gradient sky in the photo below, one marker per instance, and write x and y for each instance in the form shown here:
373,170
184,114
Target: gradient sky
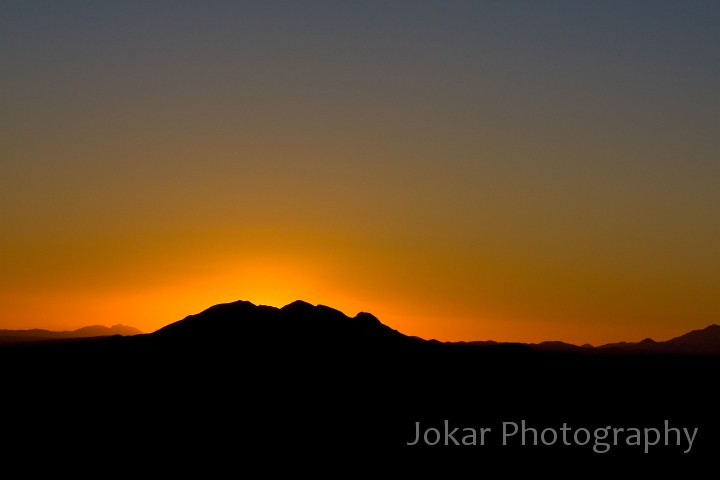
464,170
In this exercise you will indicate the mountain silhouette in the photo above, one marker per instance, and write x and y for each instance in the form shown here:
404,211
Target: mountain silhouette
36,334
296,322
697,342
232,384
706,341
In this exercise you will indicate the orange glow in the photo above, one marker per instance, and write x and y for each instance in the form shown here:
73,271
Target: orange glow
277,281
458,182
428,291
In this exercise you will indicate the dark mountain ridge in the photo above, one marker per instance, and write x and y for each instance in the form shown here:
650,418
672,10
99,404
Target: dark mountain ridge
298,321
704,341
237,382
37,334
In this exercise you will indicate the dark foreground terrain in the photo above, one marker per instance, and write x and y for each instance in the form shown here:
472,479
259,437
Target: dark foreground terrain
308,387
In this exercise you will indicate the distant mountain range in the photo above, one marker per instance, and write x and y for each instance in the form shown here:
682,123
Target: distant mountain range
705,341
36,334
302,322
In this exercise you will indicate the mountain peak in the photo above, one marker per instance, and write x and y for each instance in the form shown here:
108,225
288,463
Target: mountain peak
298,305
367,317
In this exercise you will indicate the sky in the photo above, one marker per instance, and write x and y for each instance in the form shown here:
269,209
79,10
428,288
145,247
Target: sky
464,170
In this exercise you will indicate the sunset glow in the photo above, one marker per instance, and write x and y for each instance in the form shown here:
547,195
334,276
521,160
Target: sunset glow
478,170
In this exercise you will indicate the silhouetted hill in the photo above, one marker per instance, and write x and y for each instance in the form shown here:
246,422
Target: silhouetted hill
36,334
705,341
296,322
